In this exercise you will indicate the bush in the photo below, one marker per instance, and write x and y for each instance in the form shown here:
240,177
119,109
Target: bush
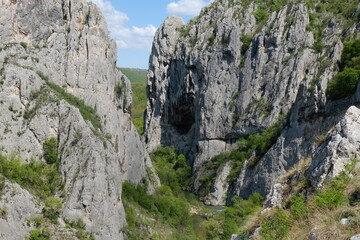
87,112
39,234
119,88
261,15
343,84
236,214
41,179
330,198
51,150
332,195
351,54
172,169
246,41
83,235
298,207
277,226
24,45
78,223
52,208
36,221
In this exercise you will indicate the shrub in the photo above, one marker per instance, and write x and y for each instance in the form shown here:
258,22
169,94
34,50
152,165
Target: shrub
332,195
213,228
172,169
354,197
51,150
343,84
52,208
261,15
87,112
24,45
351,54
330,198
39,234
3,213
78,223
83,235
41,179
246,41
298,207
276,226
36,221
119,88
211,39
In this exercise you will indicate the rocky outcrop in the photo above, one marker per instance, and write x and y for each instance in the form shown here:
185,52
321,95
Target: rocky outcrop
341,145
16,206
229,73
64,44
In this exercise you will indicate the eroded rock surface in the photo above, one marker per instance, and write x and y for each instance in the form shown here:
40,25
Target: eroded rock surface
224,76
66,43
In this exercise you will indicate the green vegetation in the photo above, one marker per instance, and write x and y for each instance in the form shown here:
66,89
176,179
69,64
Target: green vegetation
135,75
211,39
170,206
52,209
261,106
39,234
138,80
170,210
119,90
318,212
344,83
36,221
298,208
51,150
276,226
24,45
80,227
87,112
251,148
351,55
172,169
41,97
246,41
139,105
261,15
3,213
41,179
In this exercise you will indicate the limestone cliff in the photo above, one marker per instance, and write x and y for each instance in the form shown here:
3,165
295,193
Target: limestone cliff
234,71
59,80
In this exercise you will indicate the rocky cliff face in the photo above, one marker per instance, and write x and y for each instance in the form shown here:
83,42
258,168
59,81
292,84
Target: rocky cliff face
233,71
51,45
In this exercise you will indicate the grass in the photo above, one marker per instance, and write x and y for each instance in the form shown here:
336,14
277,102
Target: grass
318,212
87,112
173,213
138,78
41,179
344,83
139,105
135,75
250,148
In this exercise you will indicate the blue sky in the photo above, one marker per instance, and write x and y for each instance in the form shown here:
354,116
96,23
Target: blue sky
132,23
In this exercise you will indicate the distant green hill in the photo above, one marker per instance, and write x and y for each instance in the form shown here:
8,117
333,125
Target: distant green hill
135,75
138,78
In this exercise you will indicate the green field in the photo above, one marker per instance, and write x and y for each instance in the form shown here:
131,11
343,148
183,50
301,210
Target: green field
138,78
135,75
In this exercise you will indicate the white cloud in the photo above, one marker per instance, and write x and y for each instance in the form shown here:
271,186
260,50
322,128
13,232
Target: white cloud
186,7
125,37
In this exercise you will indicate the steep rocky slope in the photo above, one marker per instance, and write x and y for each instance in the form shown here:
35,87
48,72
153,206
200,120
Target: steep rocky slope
59,80
236,70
